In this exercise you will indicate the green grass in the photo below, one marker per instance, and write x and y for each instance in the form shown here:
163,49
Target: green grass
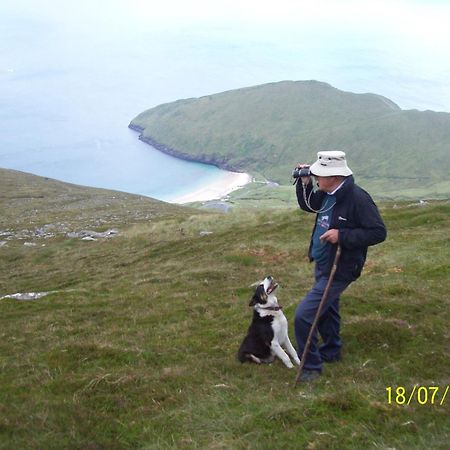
137,348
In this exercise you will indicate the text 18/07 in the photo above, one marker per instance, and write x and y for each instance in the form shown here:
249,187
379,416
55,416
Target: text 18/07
423,395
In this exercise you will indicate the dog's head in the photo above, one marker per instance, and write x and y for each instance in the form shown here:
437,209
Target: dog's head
263,291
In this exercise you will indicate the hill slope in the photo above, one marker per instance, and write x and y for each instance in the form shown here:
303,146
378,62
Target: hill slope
30,201
267,129
135,347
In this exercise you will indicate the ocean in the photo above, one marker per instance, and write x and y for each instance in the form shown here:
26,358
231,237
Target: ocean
72,77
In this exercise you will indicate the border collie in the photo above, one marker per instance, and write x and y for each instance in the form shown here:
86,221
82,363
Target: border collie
268,331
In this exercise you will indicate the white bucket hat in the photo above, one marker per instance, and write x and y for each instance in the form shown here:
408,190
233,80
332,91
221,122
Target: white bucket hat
330,164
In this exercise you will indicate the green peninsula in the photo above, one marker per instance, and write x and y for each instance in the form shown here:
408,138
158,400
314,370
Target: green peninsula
265,130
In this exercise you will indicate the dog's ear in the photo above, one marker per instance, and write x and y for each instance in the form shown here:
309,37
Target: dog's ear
253,300
259,296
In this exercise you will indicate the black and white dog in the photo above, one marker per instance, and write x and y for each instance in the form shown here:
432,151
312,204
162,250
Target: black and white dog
268,331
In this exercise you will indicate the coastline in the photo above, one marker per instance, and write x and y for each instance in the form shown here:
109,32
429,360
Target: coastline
204,159
218,189
230,181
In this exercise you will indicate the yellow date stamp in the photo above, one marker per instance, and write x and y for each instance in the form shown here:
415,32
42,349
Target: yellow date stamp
423,395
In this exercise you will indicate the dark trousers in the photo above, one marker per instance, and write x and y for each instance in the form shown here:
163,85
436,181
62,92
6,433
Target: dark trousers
328,325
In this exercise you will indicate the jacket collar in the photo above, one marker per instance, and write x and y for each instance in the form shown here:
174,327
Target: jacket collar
340,185
345,188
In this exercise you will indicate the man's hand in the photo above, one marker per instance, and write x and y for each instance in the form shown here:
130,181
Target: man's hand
331,236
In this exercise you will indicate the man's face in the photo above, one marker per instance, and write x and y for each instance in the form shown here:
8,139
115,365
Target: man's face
328,184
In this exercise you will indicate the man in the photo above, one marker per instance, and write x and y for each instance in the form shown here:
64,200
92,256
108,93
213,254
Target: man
346,215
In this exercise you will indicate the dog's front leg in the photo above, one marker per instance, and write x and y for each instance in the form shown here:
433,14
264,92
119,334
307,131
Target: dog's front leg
276,348
291,350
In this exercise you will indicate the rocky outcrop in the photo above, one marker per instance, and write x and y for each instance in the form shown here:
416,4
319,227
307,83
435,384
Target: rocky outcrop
50,231
88,235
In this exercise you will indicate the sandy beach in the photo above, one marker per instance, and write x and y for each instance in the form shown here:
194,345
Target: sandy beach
219,188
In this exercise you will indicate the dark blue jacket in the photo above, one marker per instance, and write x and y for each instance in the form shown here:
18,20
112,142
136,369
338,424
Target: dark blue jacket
356,217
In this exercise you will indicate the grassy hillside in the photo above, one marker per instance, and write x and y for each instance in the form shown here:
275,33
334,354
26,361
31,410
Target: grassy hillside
268,129
29,201
136,348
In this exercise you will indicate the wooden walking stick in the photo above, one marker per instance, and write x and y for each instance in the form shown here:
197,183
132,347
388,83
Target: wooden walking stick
319,310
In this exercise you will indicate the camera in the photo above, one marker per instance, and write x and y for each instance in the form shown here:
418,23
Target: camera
301,172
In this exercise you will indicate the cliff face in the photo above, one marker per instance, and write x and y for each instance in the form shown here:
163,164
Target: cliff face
204,158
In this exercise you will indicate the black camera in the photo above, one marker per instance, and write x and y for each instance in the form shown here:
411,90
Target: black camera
301,172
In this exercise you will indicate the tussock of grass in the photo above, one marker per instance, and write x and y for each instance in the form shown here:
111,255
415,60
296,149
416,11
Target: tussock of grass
137,348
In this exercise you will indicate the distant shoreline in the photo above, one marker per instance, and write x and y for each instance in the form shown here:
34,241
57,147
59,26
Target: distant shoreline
221,164
217,189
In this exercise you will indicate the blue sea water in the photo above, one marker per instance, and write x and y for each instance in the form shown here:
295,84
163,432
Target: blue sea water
71,82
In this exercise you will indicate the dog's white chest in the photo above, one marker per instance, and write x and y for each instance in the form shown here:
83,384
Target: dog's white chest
280,326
